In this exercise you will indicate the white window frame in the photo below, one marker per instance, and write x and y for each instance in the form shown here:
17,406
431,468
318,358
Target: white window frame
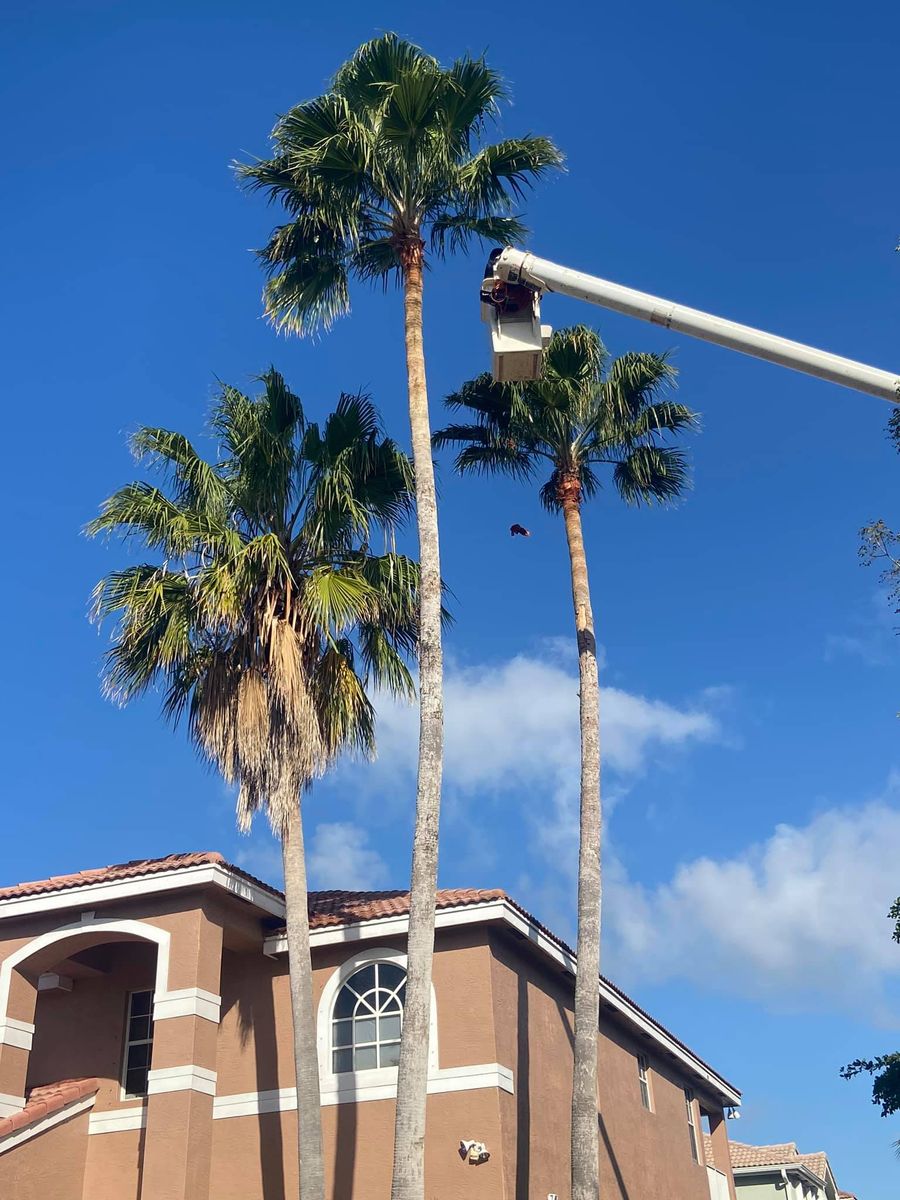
643,1065
128,1042
692,1126
373,1082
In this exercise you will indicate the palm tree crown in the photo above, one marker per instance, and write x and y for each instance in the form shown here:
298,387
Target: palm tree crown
585,412
385,158
266,613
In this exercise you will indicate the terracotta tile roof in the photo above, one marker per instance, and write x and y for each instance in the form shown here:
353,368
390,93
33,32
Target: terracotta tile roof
45,1100
781,1154
344,908
130,870
817,1163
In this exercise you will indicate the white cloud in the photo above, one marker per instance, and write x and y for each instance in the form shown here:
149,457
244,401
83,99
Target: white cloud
340,856
515,723
796,920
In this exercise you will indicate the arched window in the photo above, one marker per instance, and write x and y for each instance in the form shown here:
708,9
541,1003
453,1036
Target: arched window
367,1019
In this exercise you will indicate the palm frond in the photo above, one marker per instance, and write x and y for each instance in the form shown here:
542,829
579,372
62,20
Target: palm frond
452,233
651,473
504,171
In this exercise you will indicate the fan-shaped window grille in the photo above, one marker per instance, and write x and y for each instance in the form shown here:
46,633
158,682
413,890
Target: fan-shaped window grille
367,1019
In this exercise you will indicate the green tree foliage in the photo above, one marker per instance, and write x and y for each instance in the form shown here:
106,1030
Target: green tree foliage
880,544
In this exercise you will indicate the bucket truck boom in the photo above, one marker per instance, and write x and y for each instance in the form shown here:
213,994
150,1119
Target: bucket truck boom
510,304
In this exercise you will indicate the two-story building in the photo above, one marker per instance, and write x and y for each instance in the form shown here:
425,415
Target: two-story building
146,1048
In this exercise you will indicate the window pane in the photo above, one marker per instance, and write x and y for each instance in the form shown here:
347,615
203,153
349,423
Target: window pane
345,1003
364,1030
364,1058
390,975
388,1028
342,1033
390,1055
138,1029
136,1082
141,1003
364,980
139,1055
342,1060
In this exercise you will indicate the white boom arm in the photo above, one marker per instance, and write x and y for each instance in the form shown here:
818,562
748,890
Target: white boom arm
521,270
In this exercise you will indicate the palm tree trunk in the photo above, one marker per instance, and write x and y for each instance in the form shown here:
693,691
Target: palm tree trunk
408,1179
306,1061
585,1141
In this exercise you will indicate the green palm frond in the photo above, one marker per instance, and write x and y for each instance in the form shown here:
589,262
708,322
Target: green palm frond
267,616
585,413
651,473
198,486
348,715
387,158
452,232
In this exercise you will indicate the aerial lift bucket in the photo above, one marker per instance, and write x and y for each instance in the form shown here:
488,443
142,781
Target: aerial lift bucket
512,312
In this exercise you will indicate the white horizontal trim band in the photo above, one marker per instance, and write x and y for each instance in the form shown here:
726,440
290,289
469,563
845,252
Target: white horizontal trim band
117,1120
188,1002
356,1090
56,1118
16,1033
10,1105
188,1078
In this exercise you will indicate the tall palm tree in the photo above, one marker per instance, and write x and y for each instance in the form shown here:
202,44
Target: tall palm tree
582,415
386,160
263,617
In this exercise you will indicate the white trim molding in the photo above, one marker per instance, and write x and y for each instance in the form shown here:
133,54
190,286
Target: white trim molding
188,1078
56,1118
187,1002
86,923
16,1033
145,885
358,1088
117,1120
10,1105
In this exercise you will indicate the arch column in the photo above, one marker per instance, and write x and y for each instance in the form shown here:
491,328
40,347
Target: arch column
182,1080
16,1036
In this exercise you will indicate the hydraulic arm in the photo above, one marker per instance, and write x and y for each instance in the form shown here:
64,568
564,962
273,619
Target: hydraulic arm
516,280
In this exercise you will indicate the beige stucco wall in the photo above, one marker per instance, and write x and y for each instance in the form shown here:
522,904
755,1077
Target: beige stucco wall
50,1166
643,1155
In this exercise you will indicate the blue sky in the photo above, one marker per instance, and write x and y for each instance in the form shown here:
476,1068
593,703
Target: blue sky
740,158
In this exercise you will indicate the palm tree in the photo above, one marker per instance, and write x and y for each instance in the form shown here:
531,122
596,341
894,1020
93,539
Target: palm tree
386,159
582,415
263,617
